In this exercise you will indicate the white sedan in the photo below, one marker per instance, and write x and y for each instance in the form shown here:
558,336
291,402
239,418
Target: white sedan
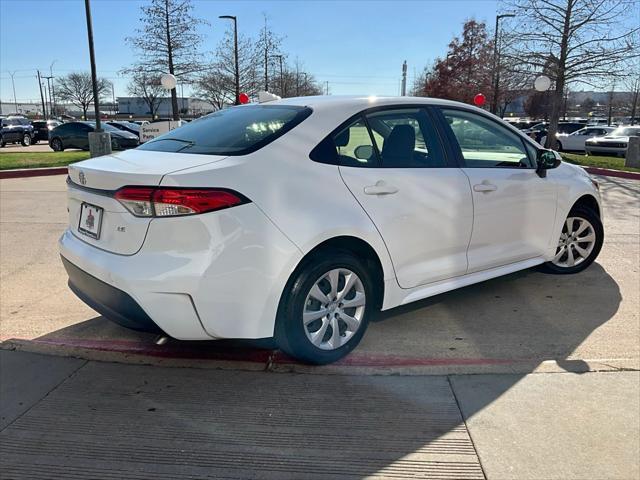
614,143
299,218
574,142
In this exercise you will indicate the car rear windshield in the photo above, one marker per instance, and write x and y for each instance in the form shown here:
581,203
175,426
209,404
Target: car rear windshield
232,131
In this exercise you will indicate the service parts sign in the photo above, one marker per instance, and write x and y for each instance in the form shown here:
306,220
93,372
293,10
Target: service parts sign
150,131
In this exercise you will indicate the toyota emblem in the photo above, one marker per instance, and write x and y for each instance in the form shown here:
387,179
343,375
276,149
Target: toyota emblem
82,177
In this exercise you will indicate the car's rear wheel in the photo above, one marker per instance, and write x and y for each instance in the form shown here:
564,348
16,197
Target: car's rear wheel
325,308
26,140
579,244
56,145
558,146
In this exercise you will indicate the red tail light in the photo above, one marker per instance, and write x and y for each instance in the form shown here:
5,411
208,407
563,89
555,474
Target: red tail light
170,202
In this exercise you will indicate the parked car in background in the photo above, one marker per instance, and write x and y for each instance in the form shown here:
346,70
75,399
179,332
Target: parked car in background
300,218
16,130
76,135
574,142
125,126
614,143
140,122
539,131
41,129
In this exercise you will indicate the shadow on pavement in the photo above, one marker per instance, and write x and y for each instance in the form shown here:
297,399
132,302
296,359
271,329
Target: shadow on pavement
172,422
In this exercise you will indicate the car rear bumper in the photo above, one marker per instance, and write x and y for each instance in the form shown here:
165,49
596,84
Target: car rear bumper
216,275
108,301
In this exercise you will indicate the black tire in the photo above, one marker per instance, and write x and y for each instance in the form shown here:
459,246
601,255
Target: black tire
558,146
290,332
26,140
2,142
56,145
594,220
115,145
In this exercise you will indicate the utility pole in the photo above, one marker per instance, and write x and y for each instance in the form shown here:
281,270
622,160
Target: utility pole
610,110
403,92
53,88
49,91
99,141
113,100
496,63
235,53
44,108
13,85
92,57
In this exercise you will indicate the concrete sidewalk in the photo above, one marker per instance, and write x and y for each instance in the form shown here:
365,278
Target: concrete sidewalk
66,418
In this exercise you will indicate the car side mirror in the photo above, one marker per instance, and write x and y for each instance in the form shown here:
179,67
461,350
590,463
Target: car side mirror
547,159
363,152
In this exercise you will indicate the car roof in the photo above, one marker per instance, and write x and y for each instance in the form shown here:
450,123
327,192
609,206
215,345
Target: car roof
361,101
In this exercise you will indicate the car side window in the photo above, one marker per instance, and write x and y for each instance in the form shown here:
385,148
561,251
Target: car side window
406,138
354,145
486,144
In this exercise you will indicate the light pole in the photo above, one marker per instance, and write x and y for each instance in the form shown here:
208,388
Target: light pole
496,63
279,57
235,53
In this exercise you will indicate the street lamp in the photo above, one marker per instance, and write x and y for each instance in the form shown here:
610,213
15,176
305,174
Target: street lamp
281,75
235,52
496,63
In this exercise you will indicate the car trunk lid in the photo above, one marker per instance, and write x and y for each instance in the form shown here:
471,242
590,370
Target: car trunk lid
96,217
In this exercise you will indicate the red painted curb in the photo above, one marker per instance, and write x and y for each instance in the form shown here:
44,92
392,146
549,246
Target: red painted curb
612,173
195,351
33,172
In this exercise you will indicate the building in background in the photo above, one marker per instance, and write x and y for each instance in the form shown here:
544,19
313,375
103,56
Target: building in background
188,106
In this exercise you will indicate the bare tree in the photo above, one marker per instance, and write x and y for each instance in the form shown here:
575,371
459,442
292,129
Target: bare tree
578,40
215,89
77,88
268,44
631,83
167,41
217,82
148,88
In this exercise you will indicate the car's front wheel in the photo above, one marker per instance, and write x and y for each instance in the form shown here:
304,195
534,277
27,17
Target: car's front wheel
325,308
56,145
579,244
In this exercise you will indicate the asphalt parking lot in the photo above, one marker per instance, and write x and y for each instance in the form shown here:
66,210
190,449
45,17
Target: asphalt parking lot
515,323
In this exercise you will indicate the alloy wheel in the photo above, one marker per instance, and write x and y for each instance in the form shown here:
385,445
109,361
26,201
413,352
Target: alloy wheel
334,309
576,242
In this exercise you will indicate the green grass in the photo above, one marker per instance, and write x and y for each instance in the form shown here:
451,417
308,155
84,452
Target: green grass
614,163
39,159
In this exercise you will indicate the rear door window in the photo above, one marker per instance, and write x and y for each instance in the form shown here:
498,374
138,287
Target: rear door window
406,138
232,131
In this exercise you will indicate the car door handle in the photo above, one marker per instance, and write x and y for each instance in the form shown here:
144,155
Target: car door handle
380,188
485,187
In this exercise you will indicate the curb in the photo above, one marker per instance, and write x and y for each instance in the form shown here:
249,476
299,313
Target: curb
139,353
33,172
612,173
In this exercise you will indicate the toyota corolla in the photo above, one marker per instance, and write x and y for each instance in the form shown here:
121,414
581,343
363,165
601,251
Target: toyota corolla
298,219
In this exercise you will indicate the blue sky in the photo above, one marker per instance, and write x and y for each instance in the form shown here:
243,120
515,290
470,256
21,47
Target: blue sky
357,46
